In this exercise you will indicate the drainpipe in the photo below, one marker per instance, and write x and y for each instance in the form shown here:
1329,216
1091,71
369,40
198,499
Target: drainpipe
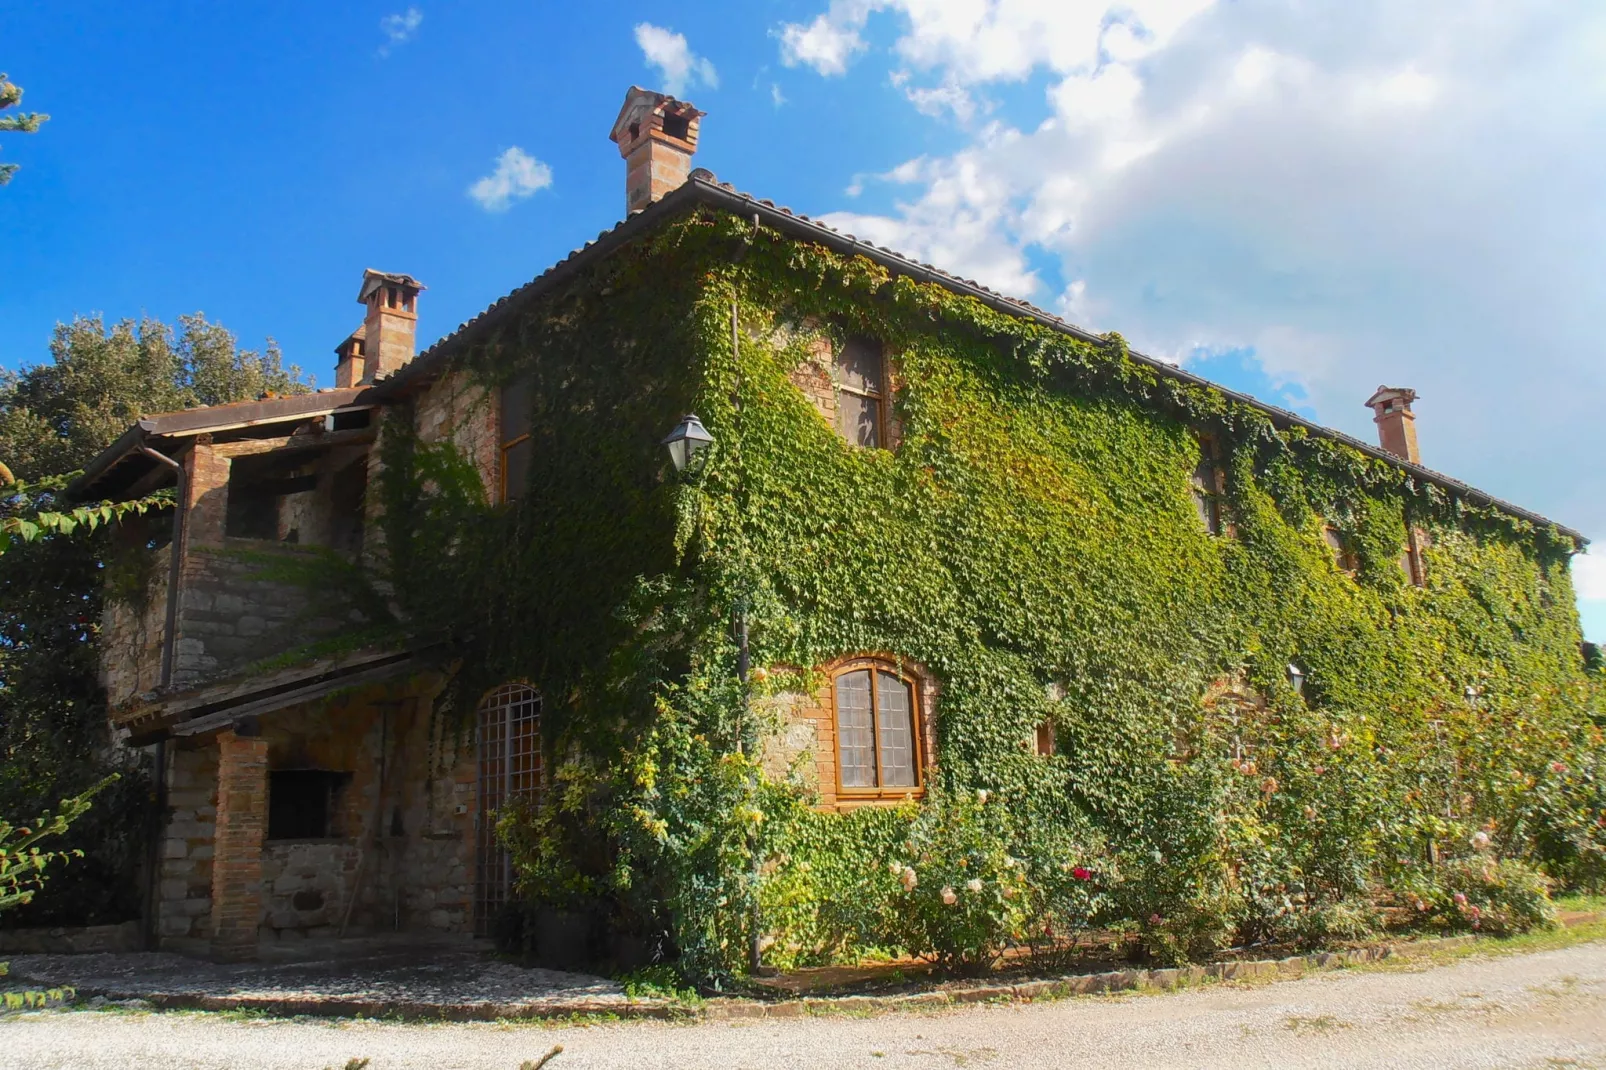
153,866
175,559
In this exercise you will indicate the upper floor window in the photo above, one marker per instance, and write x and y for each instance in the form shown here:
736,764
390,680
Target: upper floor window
1344,556
1206,487
1411,558
878,745
1043,740
515,437
861,409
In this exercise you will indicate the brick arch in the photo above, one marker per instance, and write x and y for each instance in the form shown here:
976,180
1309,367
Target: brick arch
819,707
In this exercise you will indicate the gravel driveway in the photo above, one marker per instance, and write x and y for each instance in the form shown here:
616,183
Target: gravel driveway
1546,1009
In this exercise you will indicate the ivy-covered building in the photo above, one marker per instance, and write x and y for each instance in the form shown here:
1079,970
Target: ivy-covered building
927,550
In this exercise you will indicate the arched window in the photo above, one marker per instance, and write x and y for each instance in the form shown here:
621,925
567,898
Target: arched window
508,739
877,729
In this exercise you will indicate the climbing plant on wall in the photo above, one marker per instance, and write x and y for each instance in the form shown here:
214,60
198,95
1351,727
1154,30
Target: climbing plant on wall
1032,544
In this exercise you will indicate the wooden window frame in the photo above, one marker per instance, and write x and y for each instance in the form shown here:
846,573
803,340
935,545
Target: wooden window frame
883,431
1340,551
505,444
1212,494
1415,568
917,740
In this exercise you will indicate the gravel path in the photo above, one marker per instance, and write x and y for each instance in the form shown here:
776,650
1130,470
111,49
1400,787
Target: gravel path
1539,1010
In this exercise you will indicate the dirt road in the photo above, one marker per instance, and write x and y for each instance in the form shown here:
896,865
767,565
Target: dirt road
1546,1009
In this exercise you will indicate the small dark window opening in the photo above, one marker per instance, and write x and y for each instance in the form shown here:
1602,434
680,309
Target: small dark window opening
677,126
1043,740
347,491
350,419
861,409
635,131
303,804
254,494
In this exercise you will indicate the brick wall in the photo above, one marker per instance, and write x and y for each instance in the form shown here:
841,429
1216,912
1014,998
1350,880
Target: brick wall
242,817
815,376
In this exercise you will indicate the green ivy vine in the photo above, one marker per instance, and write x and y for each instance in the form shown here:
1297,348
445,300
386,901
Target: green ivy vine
1032,542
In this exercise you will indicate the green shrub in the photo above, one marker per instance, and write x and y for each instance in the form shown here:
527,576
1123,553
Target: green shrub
1334,923
1499,898
958,896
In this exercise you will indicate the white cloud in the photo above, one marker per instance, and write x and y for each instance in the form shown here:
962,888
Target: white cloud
1362,191
680,67
517,176
399,28
829,42
776,96
1589,576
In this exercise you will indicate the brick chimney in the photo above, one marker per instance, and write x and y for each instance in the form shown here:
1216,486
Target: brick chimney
349,359
387,334
1396,424
657,136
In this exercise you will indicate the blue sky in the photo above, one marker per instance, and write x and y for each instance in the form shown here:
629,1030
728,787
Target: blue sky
1297,199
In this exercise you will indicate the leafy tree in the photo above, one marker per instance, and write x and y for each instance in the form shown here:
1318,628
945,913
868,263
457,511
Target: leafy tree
54,741
23,122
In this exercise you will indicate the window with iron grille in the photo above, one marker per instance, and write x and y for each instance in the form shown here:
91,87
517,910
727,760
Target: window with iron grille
509,745
877,730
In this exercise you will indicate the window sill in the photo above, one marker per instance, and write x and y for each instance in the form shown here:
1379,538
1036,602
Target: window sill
847,801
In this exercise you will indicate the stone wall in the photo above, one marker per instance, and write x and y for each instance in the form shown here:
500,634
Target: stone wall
231,616
184,892
131,637
400,854
305,887
458,410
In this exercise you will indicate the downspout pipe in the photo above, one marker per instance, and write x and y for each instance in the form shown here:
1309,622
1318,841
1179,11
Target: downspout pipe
175,559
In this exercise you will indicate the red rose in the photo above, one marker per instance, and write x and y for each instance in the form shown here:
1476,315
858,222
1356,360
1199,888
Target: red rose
1082,874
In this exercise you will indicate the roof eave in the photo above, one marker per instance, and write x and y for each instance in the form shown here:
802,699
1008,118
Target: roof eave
698,190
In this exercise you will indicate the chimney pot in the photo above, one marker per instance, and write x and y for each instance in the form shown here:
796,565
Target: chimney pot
1396,423
657,136
387,339
349,359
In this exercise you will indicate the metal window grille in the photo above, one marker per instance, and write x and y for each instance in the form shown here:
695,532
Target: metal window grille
509,745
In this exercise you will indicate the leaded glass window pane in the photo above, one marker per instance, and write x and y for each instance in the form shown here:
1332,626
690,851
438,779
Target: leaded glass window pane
896,727
855,729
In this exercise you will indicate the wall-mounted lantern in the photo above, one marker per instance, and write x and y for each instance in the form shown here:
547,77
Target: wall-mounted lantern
686,441
1296,678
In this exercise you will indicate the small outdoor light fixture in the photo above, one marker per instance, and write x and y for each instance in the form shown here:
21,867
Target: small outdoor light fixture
1296,678
687,440
1472,695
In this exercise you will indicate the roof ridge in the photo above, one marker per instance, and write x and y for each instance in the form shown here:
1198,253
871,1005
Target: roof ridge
701,187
